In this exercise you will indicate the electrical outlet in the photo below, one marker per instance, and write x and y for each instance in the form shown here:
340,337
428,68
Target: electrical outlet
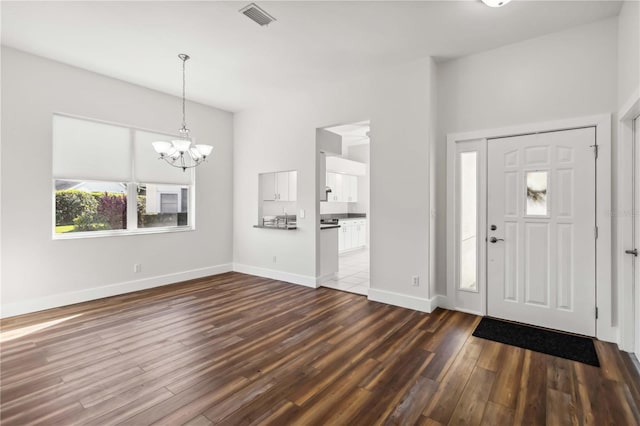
274,259
415,281
137,267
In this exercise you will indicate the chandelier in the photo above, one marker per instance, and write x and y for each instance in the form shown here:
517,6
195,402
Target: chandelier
181,152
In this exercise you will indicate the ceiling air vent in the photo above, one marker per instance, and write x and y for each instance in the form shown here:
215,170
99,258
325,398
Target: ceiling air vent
256,14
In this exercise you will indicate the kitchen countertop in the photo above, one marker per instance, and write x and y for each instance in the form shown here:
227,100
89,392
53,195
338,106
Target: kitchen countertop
343,216
282,228
328,226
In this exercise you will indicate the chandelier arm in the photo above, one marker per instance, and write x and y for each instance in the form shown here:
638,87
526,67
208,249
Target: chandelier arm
180,165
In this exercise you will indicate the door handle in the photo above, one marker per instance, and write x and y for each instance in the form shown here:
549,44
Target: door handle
633,252
495,240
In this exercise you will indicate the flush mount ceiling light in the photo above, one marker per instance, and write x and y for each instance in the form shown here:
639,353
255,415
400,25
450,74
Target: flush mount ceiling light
495,3
181,152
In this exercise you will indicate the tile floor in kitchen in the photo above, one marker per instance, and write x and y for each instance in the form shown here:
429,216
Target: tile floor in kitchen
353,273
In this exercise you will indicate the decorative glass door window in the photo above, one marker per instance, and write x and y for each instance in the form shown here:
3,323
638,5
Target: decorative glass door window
537,193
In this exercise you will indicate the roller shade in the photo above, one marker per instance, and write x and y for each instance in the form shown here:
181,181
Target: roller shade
89,150
148,168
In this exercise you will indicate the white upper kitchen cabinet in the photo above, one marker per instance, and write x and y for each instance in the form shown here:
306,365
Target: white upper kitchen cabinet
279,186
282,186
334,181
268,186
293,185
344,188
350,188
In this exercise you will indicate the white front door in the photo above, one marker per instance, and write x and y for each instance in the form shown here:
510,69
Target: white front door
541,248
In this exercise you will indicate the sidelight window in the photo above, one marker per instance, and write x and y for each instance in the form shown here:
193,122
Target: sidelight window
468,221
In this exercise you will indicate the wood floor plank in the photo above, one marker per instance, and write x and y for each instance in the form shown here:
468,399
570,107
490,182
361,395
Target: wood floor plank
409,410
497,414
470,408
558,408
445,401
235,349
531,408
507,384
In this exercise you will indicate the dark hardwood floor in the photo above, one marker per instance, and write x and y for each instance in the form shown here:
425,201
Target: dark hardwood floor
237,349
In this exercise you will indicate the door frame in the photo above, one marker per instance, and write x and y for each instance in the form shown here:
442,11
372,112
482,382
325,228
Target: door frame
606,324
623,225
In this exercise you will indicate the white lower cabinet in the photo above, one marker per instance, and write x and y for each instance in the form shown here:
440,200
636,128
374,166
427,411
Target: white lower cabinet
362,233
352,234
341,237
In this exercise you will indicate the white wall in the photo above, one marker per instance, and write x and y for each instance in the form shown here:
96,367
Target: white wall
628,51
38,272
282,136
562,75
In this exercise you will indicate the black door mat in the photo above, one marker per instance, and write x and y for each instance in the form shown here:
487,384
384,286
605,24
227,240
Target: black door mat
548,342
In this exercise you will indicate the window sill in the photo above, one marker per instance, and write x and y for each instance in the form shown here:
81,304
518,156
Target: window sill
121,233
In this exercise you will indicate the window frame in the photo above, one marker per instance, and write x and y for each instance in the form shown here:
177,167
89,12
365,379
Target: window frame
132,193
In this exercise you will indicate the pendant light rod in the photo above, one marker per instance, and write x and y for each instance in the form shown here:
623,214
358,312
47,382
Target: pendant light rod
184,58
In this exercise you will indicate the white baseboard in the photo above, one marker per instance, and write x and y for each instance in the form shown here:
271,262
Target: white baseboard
469,311
325,278
403,300
444,302
70,298
289,277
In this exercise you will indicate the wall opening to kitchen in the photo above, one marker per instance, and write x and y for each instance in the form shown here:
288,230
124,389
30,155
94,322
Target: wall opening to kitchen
344,206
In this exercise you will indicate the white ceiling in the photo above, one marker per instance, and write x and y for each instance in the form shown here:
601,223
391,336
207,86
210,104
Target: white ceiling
236,63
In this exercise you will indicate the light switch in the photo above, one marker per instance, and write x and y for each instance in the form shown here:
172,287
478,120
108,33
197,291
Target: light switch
301,213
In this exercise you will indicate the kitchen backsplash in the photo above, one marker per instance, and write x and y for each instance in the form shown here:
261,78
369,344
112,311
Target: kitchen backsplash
327,208
277,208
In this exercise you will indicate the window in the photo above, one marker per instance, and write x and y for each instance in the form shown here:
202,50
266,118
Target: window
537,183
468,221
108,180
83,206
158,206
168,203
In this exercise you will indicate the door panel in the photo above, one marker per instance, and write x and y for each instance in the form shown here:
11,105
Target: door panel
541,198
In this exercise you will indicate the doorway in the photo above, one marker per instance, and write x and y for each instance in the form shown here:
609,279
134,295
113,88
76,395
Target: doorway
541,254
528,212
627,214
344,172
